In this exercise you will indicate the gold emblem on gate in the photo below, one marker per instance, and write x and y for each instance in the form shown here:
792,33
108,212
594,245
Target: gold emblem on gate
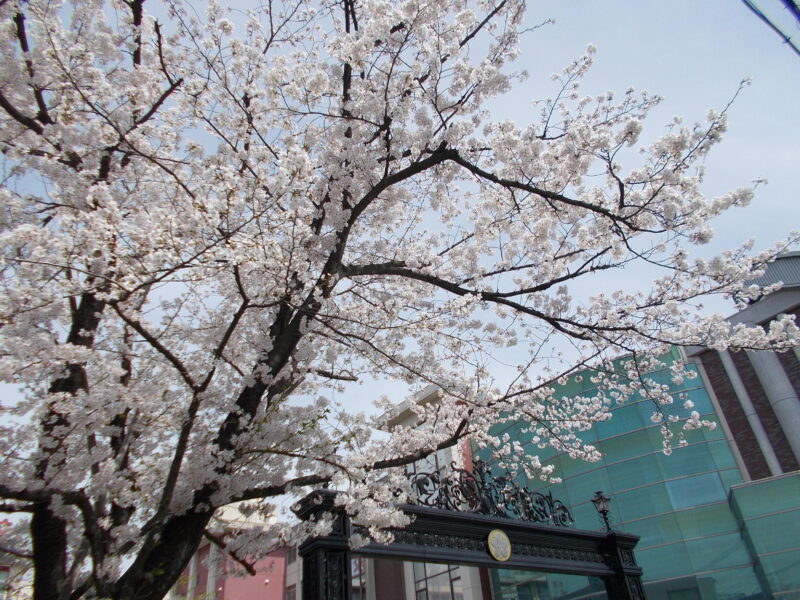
499,545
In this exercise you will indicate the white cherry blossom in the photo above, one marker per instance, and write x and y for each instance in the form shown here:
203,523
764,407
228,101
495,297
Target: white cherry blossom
211,220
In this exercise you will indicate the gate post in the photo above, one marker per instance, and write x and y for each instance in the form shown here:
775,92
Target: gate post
326,559
626,582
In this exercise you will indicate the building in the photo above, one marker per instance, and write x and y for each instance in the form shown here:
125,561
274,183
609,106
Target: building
213,574
756,395
692,544
757,392
718,519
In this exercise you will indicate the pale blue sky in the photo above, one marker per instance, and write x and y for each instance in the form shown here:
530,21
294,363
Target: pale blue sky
694,53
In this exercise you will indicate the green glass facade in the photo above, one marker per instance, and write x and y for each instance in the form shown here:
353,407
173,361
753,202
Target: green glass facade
524,585
704,534
768,512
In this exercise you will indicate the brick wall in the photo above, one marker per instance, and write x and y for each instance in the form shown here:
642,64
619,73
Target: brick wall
743,434
769,420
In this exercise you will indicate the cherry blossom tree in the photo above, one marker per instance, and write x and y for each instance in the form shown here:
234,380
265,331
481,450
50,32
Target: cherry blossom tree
210,219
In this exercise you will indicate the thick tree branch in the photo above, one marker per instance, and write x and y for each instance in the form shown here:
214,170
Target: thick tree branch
19,117
281,488
43,116
400,270
158,103
482,24
15,508
330,375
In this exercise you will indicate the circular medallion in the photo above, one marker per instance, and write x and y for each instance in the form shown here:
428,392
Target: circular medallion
499,545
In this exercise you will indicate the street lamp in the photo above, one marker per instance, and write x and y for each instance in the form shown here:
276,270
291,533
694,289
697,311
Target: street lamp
601,502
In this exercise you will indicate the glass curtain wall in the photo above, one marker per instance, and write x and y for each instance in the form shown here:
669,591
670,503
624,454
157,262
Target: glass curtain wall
769,514
691,544
527,585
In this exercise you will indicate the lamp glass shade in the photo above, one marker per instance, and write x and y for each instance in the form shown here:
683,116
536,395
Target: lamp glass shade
601,502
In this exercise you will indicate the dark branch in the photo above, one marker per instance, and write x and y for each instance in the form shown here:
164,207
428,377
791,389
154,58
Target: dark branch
220,543
400,270
330,375
19,117
44,115
17,553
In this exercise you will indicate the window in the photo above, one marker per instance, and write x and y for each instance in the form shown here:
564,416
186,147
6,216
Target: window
358,578
429,464
291,593
437,582
291,555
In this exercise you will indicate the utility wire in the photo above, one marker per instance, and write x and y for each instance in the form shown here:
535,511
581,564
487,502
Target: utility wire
792,7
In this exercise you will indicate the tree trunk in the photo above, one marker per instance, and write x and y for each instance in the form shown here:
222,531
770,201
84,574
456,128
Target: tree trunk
49,536
152,575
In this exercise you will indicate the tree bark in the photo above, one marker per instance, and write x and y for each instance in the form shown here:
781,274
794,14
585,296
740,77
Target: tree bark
49,536
152,575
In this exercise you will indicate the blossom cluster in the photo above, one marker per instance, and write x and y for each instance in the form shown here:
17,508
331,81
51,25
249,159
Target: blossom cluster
214,222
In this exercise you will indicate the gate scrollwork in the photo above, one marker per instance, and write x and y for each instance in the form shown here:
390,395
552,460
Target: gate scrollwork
479,491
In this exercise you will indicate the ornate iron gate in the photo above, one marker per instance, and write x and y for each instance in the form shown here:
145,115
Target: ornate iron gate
491,523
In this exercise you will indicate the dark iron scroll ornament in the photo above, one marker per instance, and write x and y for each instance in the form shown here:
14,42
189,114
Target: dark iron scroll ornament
480,491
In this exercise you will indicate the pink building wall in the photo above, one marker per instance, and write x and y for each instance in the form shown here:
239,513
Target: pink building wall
268,583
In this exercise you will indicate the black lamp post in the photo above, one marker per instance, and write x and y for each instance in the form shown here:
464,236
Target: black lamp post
601,502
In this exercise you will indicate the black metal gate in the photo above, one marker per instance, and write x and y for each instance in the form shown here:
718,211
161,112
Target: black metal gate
471,538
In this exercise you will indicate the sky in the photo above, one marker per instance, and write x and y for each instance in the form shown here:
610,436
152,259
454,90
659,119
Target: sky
693,53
